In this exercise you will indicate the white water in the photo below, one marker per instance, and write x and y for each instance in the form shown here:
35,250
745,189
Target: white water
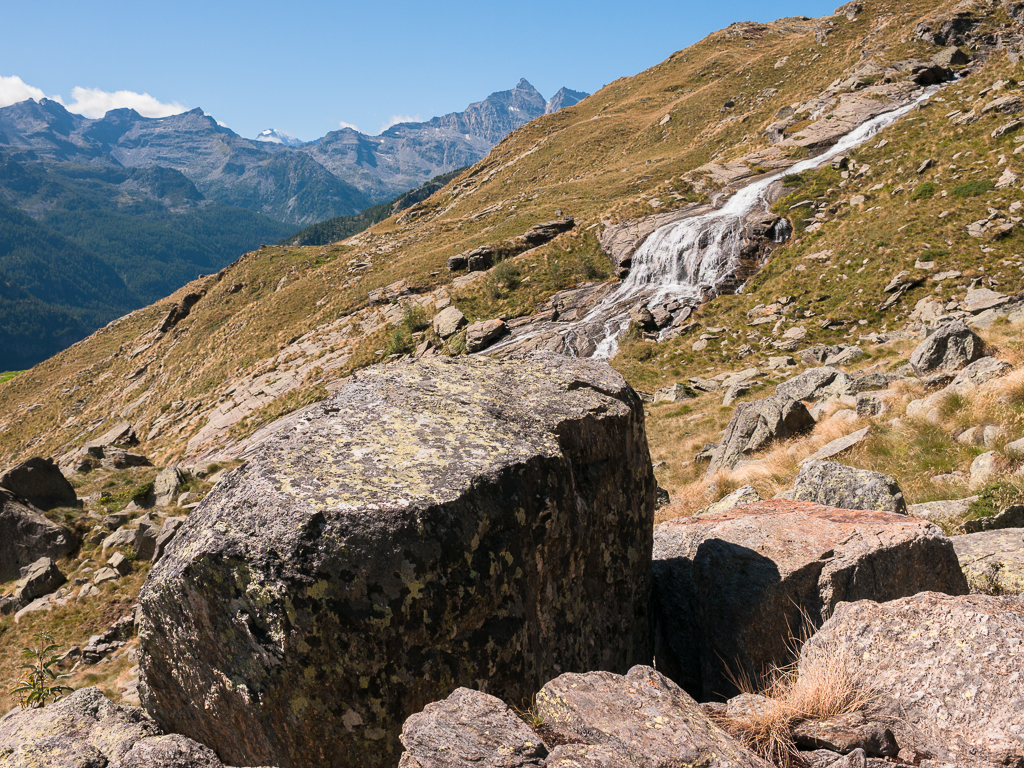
685,259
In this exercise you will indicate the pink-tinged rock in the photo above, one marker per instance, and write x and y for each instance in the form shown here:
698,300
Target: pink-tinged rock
729,590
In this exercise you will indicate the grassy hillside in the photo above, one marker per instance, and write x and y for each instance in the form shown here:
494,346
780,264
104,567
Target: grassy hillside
275,328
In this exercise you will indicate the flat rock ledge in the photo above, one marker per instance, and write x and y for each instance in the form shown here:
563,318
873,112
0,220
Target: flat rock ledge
734,588
434,524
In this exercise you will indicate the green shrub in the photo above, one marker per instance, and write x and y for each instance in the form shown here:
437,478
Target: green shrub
401,342
924,191
503,279
414,317
972,188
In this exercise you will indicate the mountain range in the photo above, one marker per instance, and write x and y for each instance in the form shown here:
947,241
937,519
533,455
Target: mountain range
152,202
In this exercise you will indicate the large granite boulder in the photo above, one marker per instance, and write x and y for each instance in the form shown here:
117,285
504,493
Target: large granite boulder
467,730
837,485
27,535
949,348
733,589
87,730
757,423
434,524
640,719
39,482
948,670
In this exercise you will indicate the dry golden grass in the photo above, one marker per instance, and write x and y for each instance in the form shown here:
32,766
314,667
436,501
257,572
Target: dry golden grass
819,688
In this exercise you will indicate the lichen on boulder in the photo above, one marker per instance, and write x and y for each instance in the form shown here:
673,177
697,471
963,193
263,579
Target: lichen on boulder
434,524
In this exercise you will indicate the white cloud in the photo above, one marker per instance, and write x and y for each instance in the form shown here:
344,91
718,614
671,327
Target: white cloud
93,102
343,124
396,119
13,89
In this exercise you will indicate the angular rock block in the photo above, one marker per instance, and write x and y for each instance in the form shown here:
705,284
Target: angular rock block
731,591
39,482
434,524
949,671
641,719
469,729
837,485
27,535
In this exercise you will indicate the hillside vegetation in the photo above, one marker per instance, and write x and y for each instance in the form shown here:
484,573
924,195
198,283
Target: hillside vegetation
275,329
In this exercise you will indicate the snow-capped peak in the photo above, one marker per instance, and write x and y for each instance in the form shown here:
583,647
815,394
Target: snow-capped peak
275,136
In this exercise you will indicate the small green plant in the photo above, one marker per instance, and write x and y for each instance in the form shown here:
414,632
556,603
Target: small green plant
40,683
414,317
400,342
972,188
924,191
503,279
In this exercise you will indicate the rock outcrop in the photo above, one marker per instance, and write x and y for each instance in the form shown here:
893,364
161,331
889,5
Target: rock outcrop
837,485
433,524
40,578
755,424
732,588
948,348
39,482
27,535
948,670
87,730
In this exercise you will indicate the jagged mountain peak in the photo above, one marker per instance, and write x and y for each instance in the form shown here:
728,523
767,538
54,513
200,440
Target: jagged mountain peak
565,97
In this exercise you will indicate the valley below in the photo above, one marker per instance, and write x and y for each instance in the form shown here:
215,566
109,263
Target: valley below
684,425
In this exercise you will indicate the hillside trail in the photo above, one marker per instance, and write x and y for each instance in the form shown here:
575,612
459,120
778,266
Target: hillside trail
689,260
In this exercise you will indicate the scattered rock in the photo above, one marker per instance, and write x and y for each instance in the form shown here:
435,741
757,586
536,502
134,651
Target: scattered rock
977,373
434,523
736,391
980,299
950,57
1011,517
949,348
483,334
846,733
448,321
122,433
87,730
985,468
40,578
26,535
732,587
116,458
40,483
120,563
641,719
104,575
817,384
167,485
469,729
948,670
838,446
993,561
673,393
871,404
122,537
167,532
745,494
837,485
941,511
757,423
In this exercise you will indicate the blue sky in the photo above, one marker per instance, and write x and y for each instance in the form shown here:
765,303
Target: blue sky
308,67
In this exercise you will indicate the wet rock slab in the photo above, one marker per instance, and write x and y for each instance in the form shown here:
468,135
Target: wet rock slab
434,524
731,589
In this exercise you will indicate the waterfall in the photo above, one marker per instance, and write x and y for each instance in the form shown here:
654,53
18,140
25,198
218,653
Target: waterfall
691,258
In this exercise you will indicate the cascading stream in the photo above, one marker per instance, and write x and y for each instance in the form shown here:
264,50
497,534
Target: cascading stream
688,259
